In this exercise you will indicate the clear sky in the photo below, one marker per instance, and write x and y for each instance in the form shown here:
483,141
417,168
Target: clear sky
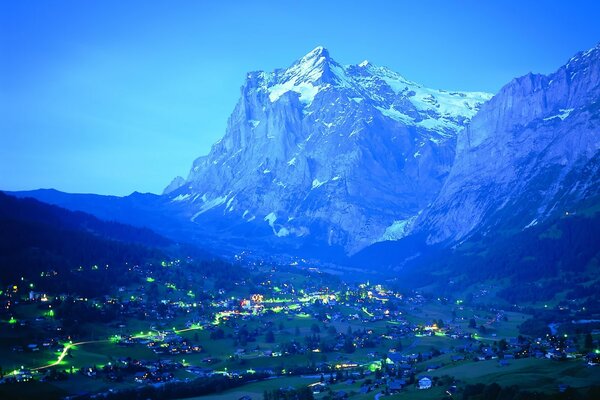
115,96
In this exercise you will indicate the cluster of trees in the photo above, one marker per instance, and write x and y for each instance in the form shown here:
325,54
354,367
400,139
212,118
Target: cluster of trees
62,251
31,210
56,248
289,394
494,391
540,261
30,249
176,390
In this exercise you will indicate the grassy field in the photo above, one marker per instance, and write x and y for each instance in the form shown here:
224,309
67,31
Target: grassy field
529,373
256,390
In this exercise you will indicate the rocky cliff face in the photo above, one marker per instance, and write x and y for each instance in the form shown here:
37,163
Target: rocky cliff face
175,184
343,155
531,152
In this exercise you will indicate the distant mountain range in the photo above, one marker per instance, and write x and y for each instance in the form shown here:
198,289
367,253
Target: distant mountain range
328,159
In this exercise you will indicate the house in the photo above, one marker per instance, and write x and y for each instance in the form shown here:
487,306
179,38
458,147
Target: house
425,383
554,355
538,354
571,352
395,358
318,387
405,366
593,359
140,376
396,385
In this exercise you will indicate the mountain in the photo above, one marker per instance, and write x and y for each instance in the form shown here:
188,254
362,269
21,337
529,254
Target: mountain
66,251
529,155
323,159
342,155
175,184
556,259
33,211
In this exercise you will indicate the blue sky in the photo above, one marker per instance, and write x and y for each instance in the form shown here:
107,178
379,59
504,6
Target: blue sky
115,96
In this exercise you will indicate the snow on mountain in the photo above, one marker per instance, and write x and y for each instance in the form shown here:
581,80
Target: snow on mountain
331,153
386,90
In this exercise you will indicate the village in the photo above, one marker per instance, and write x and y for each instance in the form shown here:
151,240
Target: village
340,339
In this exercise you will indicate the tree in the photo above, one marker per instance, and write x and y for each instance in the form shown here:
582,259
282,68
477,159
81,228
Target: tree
269,337
589,341
491,391
471,391
509,392
378,373
315,328
217,334
349,345
398,346
502,344
472,323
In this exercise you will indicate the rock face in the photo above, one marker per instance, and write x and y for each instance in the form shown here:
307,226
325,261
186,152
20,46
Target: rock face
342,155
175,184
530,153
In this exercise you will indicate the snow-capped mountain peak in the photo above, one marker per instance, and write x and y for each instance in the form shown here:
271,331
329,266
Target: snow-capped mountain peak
392,95
331,152
305,77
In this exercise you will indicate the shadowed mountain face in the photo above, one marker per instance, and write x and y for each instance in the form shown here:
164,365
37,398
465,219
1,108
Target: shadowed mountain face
531,153
339,155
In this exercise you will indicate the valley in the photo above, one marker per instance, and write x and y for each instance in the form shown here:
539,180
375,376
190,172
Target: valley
196,205
184,327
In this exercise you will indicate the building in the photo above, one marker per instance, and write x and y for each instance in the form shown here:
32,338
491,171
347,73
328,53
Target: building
425,383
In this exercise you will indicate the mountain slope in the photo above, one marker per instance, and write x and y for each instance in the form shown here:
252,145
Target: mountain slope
65,251
554,259
325,153
33,211
531,153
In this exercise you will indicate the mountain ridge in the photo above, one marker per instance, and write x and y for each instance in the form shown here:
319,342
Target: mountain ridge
516,154
307,165
339,153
